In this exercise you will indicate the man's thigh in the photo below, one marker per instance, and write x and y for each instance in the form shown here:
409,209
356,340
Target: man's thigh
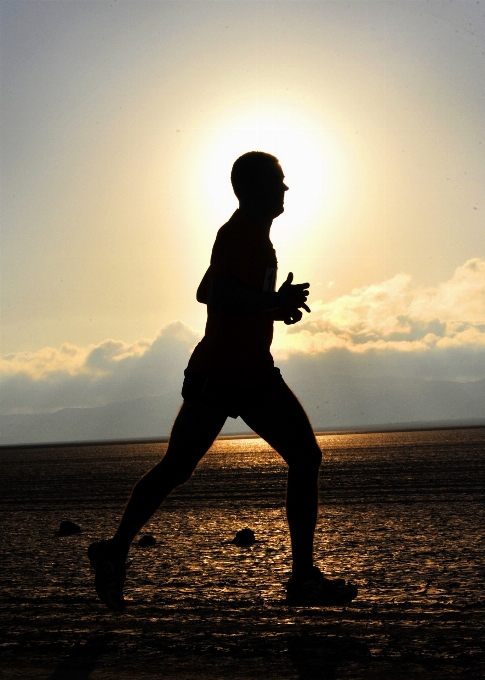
281,420
193,433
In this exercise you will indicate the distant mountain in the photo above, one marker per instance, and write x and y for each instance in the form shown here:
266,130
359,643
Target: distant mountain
139,418
332,402
337,401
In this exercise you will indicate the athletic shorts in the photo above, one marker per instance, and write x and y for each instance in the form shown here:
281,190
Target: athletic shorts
230,399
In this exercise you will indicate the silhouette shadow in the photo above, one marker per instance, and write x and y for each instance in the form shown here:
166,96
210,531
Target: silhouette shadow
320,656
83,659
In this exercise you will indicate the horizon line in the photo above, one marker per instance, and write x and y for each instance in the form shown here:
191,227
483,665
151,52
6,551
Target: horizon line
388,428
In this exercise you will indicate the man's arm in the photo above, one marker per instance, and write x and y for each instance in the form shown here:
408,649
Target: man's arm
229,295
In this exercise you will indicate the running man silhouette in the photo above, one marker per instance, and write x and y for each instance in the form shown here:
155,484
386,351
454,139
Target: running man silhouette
231,373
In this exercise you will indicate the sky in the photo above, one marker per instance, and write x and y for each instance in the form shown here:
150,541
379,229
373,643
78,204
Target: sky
120,121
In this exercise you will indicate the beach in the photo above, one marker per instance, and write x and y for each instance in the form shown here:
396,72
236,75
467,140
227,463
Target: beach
401,515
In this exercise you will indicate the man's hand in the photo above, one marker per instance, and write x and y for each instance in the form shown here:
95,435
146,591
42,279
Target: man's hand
293,296
291,316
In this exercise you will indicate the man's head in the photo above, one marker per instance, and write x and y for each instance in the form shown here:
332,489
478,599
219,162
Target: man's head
257,180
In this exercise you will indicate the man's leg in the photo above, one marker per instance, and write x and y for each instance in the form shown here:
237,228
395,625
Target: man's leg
193,433
194,430
283,423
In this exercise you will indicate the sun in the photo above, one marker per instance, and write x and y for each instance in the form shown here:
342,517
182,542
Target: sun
306,151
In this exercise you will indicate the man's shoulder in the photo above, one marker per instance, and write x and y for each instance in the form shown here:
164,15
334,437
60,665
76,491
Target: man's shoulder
235,223
232,253
241,251
233,232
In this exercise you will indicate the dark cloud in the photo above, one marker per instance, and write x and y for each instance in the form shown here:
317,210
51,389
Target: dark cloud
110,372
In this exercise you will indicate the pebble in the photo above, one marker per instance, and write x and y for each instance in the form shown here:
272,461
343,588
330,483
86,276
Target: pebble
68,528
244,537
146,541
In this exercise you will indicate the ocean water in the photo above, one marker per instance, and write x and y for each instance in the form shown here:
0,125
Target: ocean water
401,514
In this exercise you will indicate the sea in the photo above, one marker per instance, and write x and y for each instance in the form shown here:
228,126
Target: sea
401,515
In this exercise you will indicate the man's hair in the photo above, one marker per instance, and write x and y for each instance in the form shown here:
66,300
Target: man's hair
249,169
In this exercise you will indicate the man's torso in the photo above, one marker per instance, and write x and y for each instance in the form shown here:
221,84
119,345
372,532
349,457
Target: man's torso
235,349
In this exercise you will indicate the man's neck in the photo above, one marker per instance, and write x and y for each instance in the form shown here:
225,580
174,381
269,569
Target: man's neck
263,222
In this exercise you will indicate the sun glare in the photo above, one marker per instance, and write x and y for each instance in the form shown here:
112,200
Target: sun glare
307,154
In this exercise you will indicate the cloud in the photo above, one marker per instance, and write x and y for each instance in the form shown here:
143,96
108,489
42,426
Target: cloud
112,371
390,329
435,333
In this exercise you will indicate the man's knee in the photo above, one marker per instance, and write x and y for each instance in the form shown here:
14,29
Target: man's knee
179,476
315,458
172,472
307,461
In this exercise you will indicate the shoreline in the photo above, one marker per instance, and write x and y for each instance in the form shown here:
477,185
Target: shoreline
371,429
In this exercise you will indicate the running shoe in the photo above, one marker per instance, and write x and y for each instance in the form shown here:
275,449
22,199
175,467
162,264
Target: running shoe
110,576
318,591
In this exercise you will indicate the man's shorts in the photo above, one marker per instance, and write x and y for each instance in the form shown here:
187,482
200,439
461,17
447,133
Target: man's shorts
230,399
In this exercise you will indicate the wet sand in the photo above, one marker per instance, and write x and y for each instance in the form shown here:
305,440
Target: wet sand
402,515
